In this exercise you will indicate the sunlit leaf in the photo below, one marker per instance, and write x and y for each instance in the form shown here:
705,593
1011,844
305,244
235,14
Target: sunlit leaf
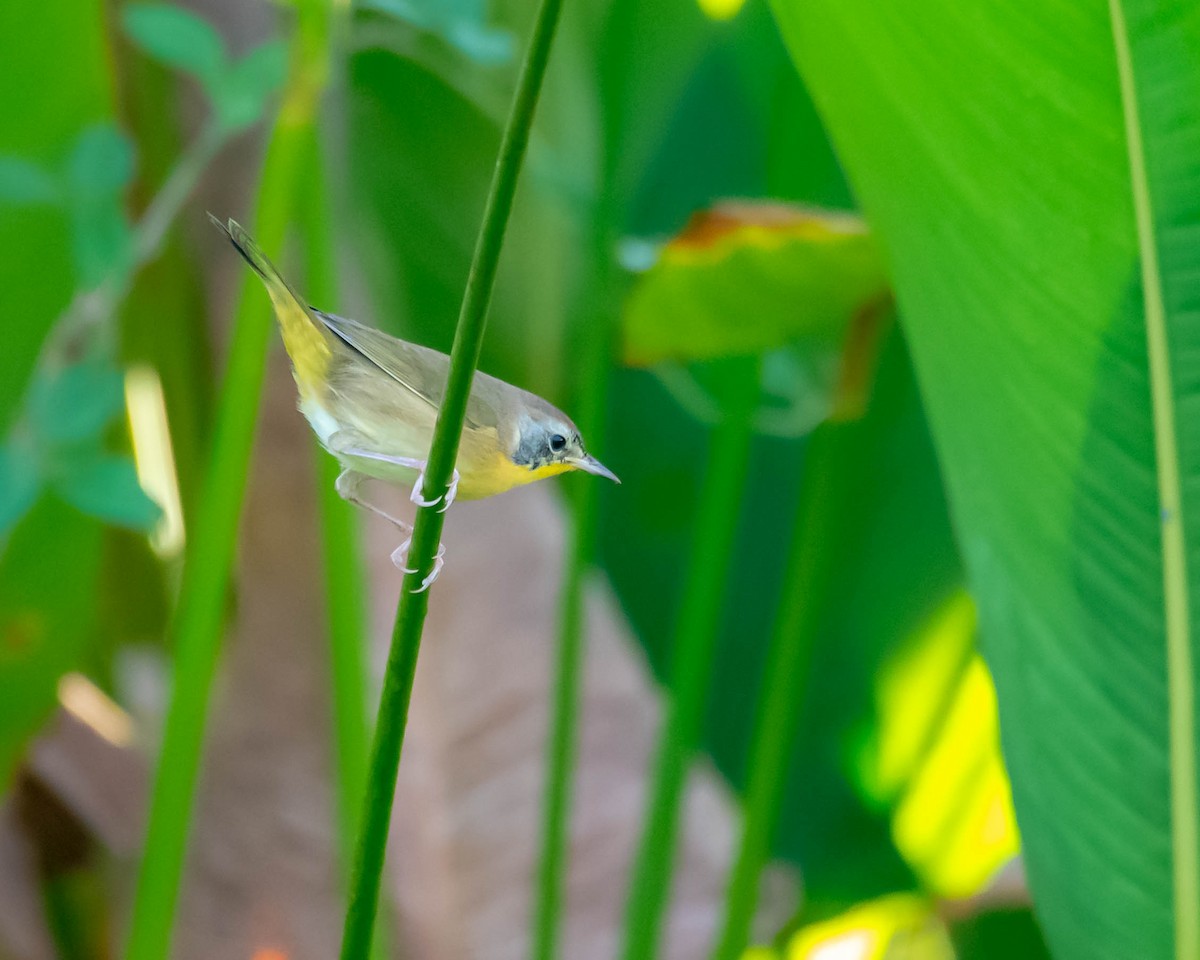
177,38
241,94
20,484
743,278
23,182
75,403
107,488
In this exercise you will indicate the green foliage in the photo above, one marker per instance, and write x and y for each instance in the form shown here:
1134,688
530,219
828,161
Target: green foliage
89,188
238,91
106,487
1002,934
23,183
1044,261
746,278
179,39
47,597
20,485
76,403
460,23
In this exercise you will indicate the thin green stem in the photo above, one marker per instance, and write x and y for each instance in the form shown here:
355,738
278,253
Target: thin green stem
344,575
567,682
1181,692
832,462
413,606
785,676
694,648
200,614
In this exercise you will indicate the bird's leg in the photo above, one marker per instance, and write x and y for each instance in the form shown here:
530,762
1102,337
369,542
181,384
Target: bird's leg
347,488
451,490
347,485
412,464
400,559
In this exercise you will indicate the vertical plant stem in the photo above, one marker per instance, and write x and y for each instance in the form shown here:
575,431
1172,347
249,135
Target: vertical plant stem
567,681
199,616
413,606
829,472
344,575
694,647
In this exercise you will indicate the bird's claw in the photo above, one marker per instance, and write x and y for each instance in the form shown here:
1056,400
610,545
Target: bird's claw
451,493
400,559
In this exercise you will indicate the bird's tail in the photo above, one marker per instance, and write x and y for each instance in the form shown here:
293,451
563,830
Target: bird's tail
304,336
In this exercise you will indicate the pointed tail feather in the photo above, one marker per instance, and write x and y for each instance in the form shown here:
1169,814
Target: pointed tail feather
304,337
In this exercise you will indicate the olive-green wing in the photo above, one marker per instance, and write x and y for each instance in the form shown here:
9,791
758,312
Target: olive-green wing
418,369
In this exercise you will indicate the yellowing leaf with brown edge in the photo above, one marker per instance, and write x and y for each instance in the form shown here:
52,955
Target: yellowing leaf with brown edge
746,277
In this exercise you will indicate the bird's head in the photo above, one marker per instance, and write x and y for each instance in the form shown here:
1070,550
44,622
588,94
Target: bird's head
548,443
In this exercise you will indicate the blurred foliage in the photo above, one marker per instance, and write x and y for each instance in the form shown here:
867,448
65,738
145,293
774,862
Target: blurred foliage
654,116
747,278
66,435
238,90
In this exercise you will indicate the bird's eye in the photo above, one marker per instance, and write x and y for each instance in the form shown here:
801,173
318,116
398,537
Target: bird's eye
558,442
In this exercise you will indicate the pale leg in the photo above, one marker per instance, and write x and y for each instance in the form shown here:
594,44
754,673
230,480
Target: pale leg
347,488
412,464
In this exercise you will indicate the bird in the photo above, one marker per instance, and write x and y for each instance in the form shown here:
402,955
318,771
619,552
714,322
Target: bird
372,400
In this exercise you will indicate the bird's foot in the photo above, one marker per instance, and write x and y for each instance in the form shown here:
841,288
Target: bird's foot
451,492
400,559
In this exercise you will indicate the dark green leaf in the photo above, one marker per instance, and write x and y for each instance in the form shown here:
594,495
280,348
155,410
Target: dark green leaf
107,488
26,183
1003,934
240,95
20,485
749,277
177,38
75,403
101,163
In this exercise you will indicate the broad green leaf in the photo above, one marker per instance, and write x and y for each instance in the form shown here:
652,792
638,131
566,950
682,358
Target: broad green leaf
1036,202
101,163
749,277
20,484
240,95
75,403
177,38
25,183
107,488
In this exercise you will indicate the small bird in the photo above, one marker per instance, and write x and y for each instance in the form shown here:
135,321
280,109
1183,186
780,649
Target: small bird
373,399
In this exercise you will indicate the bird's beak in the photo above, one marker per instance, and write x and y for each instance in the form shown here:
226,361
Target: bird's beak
590,464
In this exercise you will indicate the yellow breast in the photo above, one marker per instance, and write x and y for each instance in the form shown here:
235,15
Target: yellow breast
489,475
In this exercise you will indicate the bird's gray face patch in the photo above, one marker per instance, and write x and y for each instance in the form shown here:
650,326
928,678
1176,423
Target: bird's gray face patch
541,443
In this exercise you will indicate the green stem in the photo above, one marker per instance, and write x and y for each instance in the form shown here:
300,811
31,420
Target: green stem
200,614
831,467
785,676
344,575
567,683
413,606
694,648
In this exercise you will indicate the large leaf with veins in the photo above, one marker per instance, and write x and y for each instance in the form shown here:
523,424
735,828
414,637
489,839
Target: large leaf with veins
1033,174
